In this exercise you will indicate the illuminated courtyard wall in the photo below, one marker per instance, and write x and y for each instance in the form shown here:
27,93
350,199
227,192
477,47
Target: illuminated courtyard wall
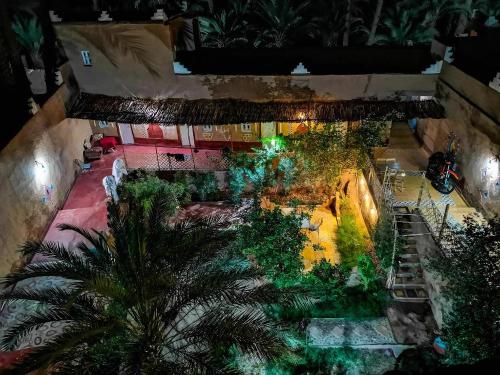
473,115
37,171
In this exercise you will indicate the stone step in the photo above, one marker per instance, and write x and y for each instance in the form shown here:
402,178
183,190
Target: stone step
409,264
410,257
410,269
408,251
409,282
410,294
409,274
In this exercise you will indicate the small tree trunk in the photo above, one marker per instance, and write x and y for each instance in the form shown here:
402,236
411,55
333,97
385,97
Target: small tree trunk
347,26
376,19
463,20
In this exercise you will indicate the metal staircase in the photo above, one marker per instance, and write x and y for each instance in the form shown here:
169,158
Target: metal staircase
408,284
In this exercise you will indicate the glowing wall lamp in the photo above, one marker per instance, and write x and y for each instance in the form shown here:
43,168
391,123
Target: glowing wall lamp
40,172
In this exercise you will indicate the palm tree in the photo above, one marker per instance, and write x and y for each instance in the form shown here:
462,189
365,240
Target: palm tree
153,297
436,9
283,22
223,30
29,35
353,20
403,25
332,22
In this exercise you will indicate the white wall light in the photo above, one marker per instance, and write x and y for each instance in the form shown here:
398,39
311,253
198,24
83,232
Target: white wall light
41,172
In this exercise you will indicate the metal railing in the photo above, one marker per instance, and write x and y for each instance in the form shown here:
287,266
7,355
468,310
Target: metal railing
163,158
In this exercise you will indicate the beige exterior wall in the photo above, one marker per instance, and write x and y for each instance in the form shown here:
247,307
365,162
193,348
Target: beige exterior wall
137,60
228,133
478,136
37,170
110,131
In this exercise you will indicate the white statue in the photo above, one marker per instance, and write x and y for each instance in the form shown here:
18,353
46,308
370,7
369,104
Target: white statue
119,170
109,184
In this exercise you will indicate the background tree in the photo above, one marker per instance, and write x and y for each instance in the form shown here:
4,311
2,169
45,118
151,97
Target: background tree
470,265
153,298
375,22
283,22
403,24
327,150
353,20
223,30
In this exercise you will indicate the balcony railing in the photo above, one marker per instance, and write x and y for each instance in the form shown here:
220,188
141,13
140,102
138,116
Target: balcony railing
162,158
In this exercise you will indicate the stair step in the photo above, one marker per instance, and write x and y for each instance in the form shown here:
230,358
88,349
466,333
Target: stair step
407,269
417,293
408,251
409,281
409,257
409,264
408,275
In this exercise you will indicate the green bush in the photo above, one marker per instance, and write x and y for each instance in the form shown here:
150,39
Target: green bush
367,272
206,185
276,241
237,183
142,187
350,241
383,239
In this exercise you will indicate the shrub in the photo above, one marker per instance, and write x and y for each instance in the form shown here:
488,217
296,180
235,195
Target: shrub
146,186
276,241
383,239
367,272
206,185
350,241
237,183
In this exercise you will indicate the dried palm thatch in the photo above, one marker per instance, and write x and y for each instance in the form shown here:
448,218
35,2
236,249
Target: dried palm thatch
231,111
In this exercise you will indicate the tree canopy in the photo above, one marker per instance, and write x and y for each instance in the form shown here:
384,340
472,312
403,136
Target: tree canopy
470,266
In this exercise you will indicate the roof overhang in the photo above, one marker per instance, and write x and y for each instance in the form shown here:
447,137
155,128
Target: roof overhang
174,111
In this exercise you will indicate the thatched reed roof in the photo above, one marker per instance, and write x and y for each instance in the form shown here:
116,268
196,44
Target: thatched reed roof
230,111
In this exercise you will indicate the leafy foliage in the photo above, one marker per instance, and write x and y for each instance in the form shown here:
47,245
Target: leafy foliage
265,168
351,243
203,186
283,21
367,272
145,187
471,268
237,183
276,242
225,29
402,25
384,241
29,34
153,298
327,150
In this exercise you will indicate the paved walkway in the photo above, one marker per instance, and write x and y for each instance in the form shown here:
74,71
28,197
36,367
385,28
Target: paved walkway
372,334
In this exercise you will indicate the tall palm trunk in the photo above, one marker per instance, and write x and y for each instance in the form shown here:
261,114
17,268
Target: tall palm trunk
463,20
347,26
49,51
376,19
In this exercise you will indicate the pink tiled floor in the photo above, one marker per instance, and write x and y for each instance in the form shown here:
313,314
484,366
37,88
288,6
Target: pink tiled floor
85,206
86,203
